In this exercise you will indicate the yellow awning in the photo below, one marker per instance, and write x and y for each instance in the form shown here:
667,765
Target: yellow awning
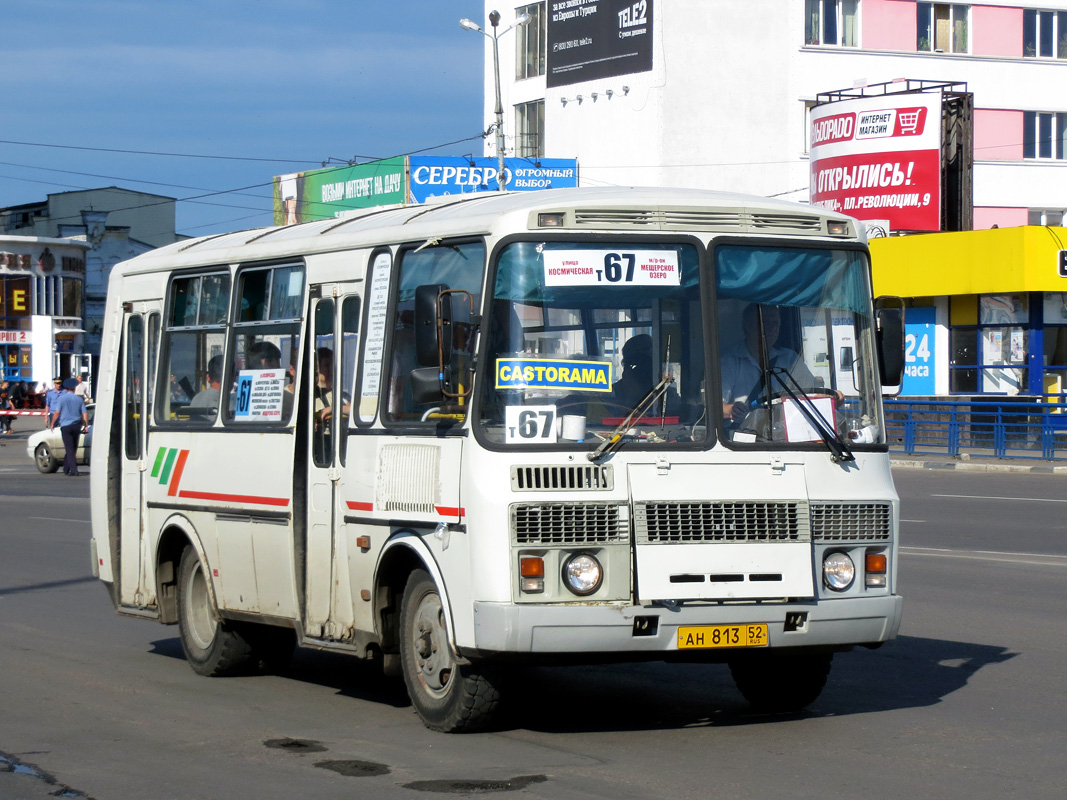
995,261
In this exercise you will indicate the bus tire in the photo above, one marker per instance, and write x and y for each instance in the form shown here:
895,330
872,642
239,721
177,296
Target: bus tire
211,647
780,681
448,695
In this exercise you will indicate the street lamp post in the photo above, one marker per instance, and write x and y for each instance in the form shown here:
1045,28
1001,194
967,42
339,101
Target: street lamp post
494,21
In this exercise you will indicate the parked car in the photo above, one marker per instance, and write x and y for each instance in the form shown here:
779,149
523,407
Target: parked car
47,450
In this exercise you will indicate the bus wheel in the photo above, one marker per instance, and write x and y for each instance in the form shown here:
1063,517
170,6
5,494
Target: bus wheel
781,681
211,647
448,696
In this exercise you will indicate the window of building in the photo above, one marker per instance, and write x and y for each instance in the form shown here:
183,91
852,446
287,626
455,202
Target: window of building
1047,216
1045,135
991,356
530,129
941,27
530,48
1044,34
832,22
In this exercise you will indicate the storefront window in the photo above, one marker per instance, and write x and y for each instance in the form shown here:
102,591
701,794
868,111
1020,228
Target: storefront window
1055,351
1003,342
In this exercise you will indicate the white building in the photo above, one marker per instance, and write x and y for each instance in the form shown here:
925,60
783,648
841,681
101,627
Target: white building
715,93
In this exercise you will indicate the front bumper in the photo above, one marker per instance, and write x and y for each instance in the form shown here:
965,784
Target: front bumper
606,629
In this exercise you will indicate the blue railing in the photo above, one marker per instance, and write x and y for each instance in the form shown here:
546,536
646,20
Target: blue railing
1012,427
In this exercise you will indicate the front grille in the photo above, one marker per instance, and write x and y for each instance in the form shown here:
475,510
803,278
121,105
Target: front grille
720,522
568,523
852,522
563,478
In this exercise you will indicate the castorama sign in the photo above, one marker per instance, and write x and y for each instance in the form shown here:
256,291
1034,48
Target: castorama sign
443,175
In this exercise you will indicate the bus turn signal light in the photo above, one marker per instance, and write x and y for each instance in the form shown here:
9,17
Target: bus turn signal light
875,565
532,571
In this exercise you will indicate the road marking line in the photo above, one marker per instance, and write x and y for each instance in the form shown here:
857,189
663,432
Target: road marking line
913,520
1047,559
987,497
62,519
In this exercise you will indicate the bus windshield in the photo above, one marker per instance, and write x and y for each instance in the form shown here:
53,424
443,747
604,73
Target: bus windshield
580,334
796,340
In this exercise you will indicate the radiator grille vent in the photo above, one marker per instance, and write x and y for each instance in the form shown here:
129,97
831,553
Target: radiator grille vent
697,219
721,522
586,477
853,522
569,523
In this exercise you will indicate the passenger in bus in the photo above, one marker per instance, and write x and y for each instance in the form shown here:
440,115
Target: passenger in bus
638,378
324,392
208,397
264,355
742,374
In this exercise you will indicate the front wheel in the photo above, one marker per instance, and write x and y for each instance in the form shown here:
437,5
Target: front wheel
43,458
448,695
211,648
781,681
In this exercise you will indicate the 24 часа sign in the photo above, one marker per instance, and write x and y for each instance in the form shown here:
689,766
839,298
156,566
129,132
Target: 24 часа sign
595,39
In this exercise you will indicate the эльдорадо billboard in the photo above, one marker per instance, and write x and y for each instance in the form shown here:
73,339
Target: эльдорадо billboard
880,158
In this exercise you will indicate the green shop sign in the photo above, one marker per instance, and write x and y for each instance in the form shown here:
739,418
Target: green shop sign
329,192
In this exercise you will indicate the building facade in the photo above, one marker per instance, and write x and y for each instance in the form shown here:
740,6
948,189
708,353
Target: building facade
719,95
56,256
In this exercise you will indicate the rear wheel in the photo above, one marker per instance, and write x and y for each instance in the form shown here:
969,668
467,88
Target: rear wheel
448,695
781,681
212,648
43,458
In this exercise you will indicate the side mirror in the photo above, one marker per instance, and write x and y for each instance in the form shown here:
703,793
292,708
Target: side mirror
426,385
890,337
433,325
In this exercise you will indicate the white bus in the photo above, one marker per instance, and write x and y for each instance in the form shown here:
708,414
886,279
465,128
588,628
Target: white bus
496,430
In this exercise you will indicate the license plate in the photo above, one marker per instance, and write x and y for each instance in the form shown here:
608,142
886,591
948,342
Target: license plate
698,637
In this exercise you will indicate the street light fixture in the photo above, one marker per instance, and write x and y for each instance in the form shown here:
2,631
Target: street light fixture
494,21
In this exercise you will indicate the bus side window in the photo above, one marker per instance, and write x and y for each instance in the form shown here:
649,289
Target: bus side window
194,341
457,266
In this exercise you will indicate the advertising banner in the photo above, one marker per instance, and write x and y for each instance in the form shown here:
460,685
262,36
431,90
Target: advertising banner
443,175
880,158
328,192
920,355
595,39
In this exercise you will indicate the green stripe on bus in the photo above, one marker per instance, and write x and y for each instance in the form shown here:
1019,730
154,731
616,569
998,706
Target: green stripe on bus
172,453
159,462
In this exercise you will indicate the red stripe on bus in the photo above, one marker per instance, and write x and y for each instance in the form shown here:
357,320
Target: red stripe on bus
357,506
449,511
235,498
177,478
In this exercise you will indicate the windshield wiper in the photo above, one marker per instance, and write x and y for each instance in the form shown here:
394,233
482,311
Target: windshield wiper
839,451
638,411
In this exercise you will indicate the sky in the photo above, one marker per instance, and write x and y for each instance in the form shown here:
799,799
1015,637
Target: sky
218,96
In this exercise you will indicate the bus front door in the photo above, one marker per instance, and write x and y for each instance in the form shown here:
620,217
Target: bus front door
141,332
328,612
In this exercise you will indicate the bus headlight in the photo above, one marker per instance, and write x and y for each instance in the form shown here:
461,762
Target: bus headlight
582,574
838,571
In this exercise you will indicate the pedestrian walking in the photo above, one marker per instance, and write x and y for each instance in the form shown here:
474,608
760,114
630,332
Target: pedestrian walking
82,389
5,406
72,418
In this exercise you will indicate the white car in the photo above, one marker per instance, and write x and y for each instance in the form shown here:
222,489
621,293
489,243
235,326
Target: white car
47,450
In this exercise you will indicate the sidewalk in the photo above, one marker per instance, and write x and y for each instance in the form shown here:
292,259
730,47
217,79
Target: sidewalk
976,463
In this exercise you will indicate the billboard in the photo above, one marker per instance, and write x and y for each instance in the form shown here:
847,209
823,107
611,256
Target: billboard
435,176
879,158
595,39
327,193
